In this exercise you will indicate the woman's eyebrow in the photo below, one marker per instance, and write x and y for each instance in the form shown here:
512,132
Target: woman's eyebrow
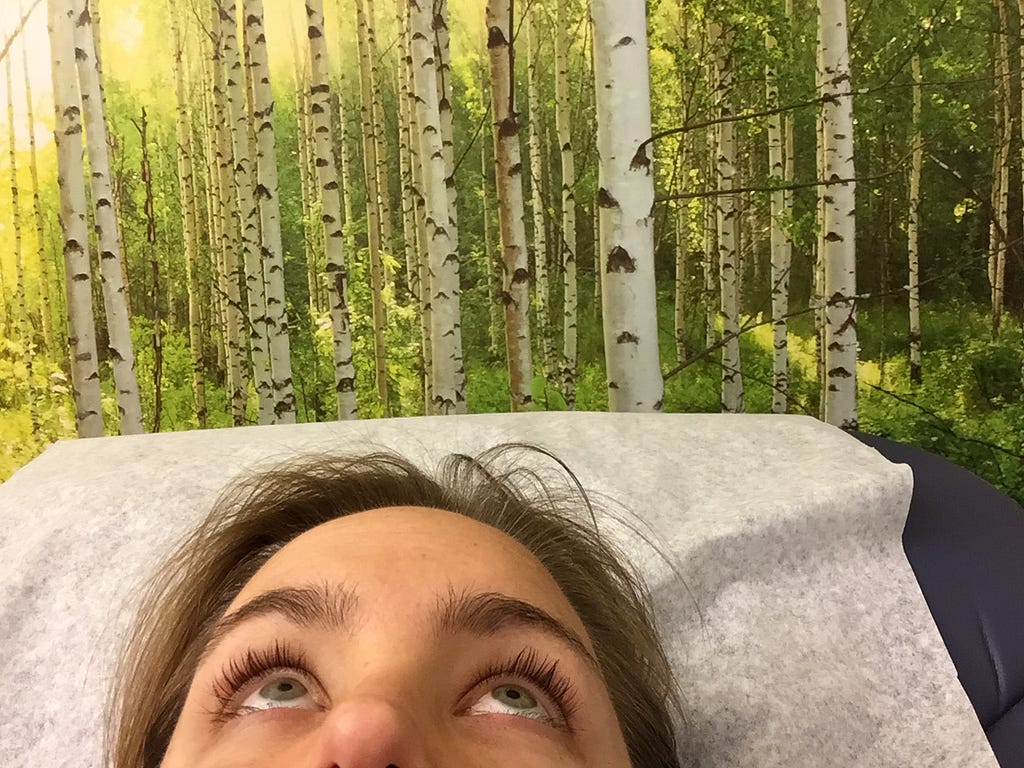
331,607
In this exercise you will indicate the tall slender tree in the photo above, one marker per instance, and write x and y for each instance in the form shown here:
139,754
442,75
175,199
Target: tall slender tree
24,327
268,197
542,290
244,191
46,309
189,206
626,197
337,272
375,195
568,245
722,37
781,252
120,351
447,374
913,227
516,274
85,375
839,256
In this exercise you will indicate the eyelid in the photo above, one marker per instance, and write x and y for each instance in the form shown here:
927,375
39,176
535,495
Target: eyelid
250,669
542,674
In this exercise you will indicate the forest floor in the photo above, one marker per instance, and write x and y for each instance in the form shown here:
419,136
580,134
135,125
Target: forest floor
969,407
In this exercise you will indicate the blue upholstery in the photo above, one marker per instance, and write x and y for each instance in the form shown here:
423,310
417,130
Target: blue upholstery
965,541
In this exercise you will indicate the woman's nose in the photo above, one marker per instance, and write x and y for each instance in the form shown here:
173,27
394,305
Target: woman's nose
371,733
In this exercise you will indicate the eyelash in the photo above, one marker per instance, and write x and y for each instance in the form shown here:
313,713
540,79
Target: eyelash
527,665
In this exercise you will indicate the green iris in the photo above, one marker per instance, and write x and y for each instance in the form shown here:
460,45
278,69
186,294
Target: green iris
514,697
283,690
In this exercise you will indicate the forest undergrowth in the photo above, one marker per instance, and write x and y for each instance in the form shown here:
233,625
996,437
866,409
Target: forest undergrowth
969,407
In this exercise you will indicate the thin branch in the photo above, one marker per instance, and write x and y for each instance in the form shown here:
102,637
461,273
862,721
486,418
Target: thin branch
944,426
18,30
776,188
750,325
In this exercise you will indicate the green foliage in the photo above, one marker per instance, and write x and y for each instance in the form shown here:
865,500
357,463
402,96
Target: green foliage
19,441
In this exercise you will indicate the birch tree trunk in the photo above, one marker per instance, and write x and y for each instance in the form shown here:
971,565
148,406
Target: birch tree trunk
268,197
419,282
540,242
491,258
789,175
24,327
418,162
259,338
120,351
999,241
839,256
228,229
375,200
146,176
710,222
913,227
214,213
569,246
727,219
779,241
442,56
380,143
406,156
190,205
337,274
516,275
46,309
626,198
447,378
85,376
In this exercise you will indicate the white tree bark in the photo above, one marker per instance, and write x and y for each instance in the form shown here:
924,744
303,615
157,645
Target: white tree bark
442,55
228,228
569,246
913,228
37,208
189,206
710,221
85,376
376,214
542,290
448,394
244,188
516,275
626,198
405,153
727,219
839,256
268,196
999,237
24,327
780,245
337,274
120,351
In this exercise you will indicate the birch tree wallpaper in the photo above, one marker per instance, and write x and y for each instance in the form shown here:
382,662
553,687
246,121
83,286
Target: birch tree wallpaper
220,213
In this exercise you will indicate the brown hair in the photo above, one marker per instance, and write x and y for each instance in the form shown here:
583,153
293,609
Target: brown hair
260,513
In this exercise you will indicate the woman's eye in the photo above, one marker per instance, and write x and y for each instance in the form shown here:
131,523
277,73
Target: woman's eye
510,700
276,693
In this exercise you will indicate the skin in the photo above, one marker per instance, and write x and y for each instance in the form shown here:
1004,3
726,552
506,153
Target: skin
386,689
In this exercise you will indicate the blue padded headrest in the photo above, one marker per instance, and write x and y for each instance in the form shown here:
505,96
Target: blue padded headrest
965,541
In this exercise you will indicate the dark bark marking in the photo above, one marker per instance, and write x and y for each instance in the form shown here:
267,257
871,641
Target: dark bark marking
619,260
605,199
496,38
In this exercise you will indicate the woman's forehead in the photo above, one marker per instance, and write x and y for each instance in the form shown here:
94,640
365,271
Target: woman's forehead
413,551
